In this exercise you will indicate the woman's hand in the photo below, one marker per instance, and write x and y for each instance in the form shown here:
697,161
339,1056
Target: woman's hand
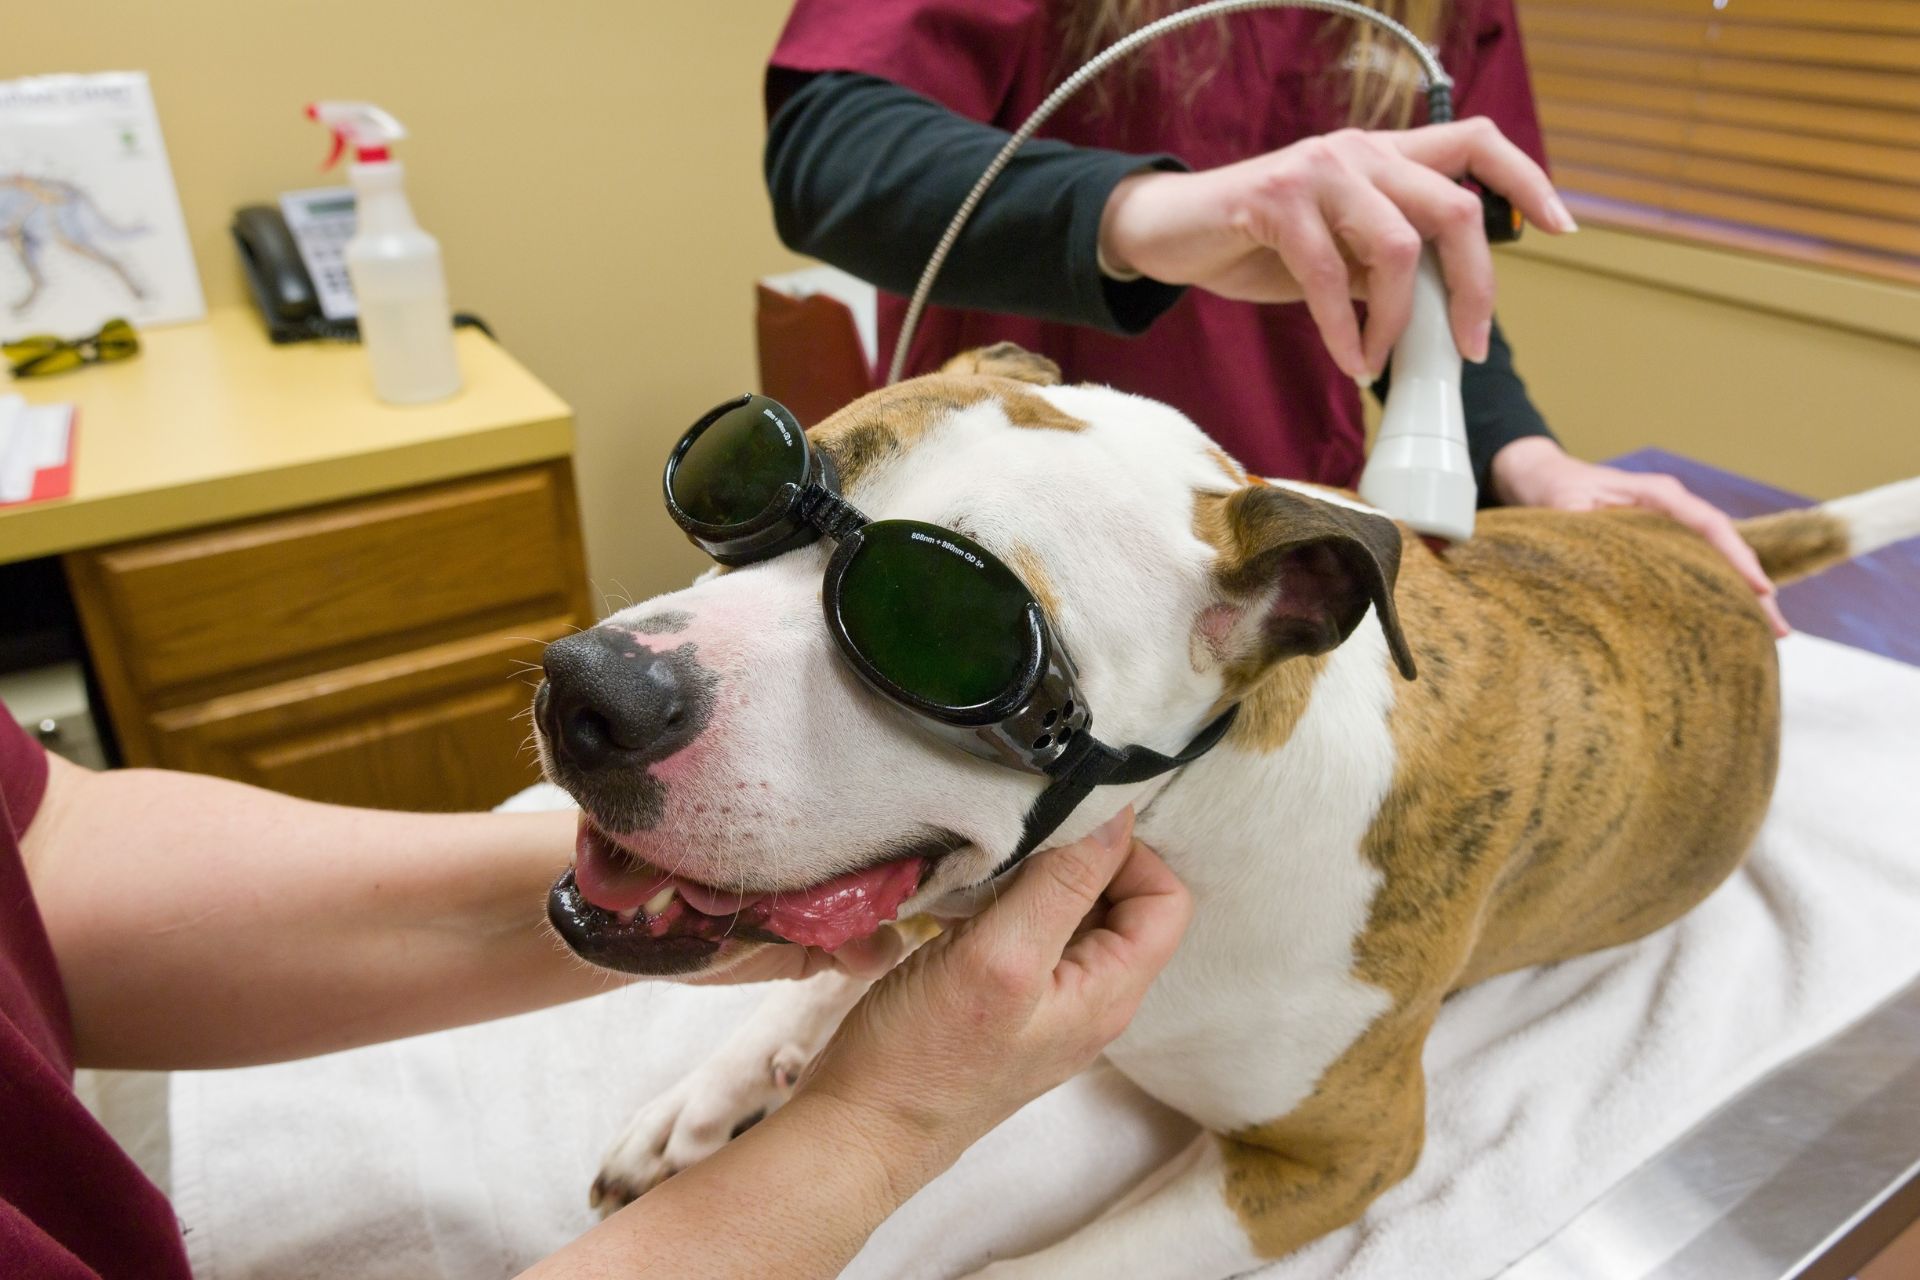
981,1019
1536,472
1334,218
1011,1003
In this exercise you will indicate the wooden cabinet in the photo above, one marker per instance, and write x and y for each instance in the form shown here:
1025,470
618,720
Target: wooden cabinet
376,651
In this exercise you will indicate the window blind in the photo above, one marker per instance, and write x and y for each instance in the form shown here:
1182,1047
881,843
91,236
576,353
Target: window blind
1791,126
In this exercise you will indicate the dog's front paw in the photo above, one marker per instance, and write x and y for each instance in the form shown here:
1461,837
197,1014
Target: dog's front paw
716,1101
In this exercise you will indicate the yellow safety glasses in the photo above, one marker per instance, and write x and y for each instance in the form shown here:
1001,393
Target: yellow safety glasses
43,354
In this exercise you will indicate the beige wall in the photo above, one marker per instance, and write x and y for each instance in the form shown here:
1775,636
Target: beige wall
592,171
1809,380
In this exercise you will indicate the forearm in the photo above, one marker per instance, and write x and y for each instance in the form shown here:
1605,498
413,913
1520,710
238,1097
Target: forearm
865,174
796,1196
964,1033
199,922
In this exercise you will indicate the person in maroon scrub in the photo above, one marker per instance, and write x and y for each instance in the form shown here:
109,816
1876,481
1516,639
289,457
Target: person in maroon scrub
1143,239
163,920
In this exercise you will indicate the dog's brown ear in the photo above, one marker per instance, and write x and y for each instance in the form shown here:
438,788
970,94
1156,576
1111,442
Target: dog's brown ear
1006,360
1317,565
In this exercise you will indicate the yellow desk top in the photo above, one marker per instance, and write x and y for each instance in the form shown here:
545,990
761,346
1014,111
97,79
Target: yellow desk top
212,422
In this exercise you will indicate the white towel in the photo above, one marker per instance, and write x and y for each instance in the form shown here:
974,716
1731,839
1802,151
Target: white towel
468,1153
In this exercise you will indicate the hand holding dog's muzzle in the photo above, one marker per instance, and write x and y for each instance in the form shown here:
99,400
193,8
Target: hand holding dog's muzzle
1014,1001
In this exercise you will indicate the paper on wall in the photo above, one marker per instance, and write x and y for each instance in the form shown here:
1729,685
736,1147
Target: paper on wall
90,222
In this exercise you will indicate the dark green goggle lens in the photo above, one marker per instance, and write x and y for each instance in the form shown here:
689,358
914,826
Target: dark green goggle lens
735,468
935,613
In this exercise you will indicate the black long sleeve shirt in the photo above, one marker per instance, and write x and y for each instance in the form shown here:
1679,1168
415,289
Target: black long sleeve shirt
865,175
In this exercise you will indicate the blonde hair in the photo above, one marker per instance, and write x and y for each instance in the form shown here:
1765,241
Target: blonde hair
1383,77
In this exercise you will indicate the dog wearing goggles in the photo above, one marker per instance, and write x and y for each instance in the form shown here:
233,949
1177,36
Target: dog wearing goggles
979,612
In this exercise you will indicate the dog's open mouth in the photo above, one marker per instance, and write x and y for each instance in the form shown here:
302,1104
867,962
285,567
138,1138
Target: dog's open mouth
618,911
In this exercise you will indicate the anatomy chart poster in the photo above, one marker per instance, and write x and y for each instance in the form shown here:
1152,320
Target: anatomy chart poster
90,223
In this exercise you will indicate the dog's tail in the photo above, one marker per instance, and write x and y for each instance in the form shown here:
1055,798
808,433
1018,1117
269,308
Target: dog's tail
1798,544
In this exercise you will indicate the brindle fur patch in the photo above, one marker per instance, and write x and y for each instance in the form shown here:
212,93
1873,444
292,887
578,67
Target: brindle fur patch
1026,562
1233,470
1796,544
888,422
1588,753
1006,360
1271,706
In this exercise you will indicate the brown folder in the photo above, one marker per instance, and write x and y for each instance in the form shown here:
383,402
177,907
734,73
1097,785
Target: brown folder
810,356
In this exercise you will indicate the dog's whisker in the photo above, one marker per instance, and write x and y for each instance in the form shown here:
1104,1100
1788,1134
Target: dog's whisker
626,597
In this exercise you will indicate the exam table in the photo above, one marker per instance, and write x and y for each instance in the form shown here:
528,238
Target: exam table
1735,1096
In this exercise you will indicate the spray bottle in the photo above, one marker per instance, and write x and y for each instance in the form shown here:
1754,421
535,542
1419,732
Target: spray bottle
405,322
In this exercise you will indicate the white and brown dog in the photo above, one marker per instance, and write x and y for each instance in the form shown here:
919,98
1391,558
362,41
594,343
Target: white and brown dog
1586,752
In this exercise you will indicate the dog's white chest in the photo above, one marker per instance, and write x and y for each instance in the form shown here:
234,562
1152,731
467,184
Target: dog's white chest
1261,997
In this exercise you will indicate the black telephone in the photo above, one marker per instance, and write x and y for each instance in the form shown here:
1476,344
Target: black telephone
278,278
277,274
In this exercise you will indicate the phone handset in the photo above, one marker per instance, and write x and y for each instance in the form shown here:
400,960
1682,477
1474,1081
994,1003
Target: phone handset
278,279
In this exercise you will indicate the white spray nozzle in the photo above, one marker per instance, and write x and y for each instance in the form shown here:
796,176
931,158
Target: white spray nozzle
365,127
1419,471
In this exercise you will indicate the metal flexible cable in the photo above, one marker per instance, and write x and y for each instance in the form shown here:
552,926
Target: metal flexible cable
1439,104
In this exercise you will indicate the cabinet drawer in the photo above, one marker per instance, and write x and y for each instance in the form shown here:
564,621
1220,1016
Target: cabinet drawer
442,728
235,607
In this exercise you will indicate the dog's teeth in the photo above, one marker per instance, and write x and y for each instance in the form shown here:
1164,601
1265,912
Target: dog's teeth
626,917
659,902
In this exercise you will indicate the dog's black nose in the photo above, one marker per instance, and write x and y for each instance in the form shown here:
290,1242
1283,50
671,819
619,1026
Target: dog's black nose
611,701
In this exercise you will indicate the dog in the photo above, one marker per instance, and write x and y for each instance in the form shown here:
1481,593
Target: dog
1555,737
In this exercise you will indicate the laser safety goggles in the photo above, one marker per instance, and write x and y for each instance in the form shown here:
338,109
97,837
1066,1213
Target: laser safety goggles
926,617
42,355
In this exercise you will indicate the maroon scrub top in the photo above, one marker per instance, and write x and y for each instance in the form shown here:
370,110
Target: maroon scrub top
73,1205
1258,379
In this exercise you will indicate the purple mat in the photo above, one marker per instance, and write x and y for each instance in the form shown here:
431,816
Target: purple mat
1872,603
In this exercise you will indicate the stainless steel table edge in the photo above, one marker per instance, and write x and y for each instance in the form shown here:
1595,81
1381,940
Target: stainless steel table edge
1803,1175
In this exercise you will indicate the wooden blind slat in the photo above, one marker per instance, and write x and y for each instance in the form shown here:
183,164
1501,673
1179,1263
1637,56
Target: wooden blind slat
1890,16
1825,119
1620,213
1821,155
1844,195
1847,229
1789,123
1790,83
1728,39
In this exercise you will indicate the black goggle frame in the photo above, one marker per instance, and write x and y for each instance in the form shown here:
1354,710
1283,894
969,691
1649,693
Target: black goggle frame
1029,725
1040,723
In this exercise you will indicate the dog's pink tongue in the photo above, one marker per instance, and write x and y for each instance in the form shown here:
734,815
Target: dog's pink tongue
608,878
847,907
826,915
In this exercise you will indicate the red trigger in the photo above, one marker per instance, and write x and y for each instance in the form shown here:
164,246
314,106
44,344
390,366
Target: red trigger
339,138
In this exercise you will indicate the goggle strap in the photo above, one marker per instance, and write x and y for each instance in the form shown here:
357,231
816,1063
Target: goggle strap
828,513
1098,765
